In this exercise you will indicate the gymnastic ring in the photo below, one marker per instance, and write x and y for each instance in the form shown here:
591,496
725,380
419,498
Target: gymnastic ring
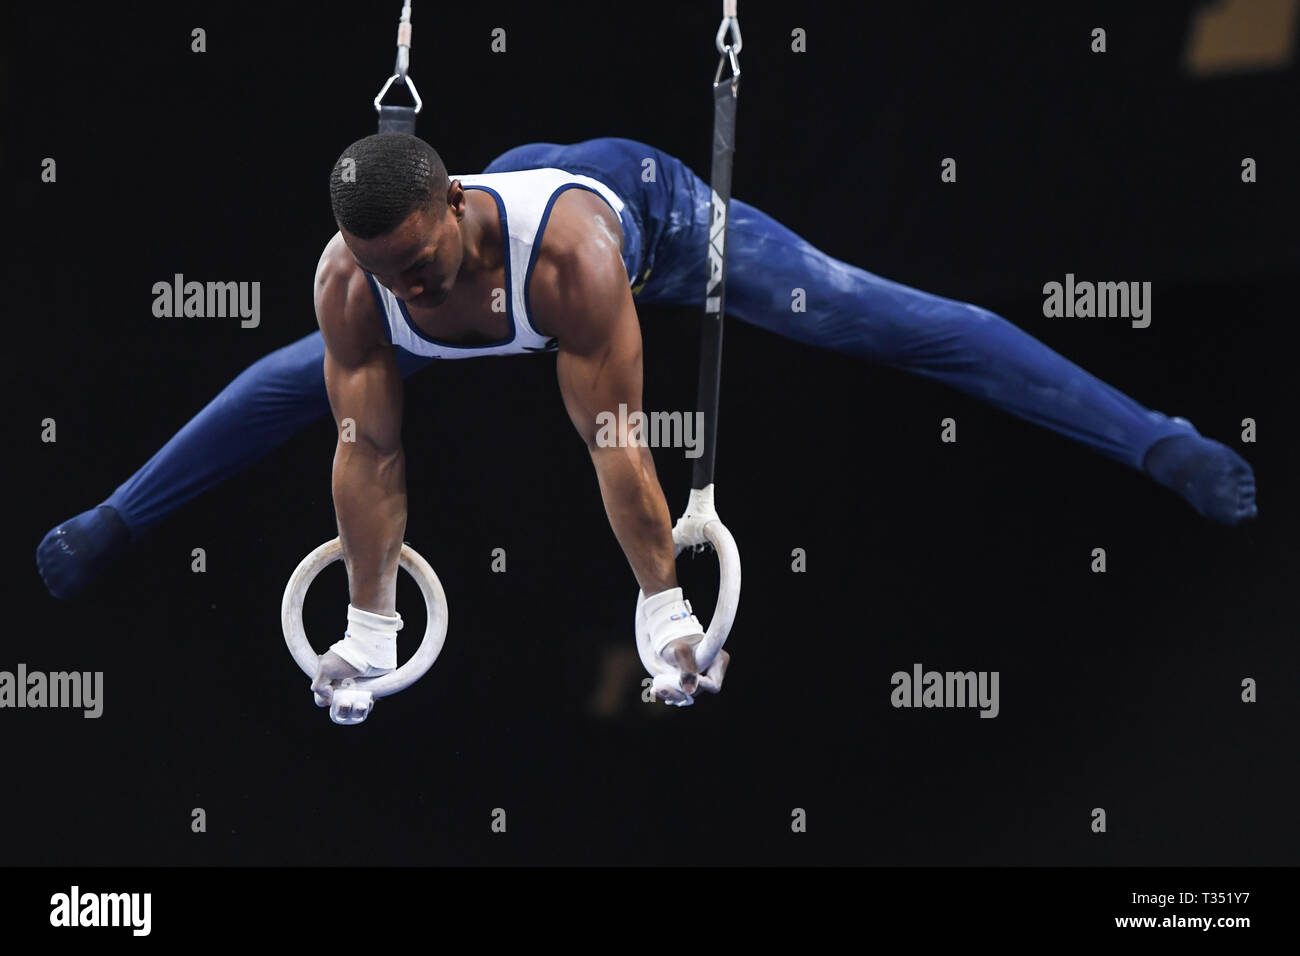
435,631
695,530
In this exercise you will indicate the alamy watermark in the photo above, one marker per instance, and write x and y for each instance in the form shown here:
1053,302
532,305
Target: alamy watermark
75,908
946,689
60,689
210,300
1085,300
656,430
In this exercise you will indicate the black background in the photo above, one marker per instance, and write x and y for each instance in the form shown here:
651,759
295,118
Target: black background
1119,690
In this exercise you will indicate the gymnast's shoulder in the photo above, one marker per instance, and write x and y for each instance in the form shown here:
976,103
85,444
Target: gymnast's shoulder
345,307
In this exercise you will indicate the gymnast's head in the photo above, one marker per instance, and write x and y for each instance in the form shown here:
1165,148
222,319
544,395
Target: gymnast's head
399,216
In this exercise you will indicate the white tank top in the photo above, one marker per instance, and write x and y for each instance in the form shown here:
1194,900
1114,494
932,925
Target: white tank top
524,199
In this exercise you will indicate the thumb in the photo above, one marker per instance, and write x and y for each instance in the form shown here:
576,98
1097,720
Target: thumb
711,680
322,691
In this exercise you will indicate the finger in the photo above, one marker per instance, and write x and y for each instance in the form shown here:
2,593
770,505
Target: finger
683,658
671,695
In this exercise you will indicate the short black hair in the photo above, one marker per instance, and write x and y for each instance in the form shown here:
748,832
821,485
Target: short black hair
382,179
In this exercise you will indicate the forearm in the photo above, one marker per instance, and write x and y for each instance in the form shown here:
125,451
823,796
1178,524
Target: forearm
638,514
370,504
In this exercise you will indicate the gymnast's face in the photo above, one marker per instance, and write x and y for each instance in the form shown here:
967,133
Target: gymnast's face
420,259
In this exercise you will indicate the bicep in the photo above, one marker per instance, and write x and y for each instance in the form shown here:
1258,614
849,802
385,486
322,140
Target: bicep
362,379
366,398
600,366
580,292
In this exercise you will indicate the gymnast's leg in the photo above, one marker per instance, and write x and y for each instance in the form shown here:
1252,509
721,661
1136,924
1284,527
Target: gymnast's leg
853,311
260,410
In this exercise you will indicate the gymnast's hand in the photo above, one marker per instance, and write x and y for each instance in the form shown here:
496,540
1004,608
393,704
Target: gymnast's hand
368,649
681,654
330,668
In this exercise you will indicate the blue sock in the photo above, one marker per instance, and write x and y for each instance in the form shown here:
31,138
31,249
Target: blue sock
1213,478
74,553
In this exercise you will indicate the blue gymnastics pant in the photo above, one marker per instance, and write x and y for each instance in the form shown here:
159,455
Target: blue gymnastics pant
847,309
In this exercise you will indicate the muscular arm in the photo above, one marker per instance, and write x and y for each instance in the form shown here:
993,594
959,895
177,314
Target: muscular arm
369,478
580,293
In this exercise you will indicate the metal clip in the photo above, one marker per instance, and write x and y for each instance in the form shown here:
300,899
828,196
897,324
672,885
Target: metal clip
730,23
409,85
403,60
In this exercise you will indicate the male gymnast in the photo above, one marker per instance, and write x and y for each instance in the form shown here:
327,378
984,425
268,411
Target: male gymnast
550,249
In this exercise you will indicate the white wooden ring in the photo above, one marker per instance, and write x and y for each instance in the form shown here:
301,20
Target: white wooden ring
435,631
695,533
